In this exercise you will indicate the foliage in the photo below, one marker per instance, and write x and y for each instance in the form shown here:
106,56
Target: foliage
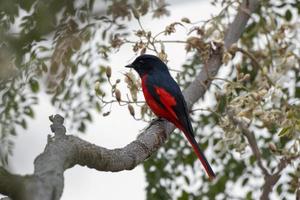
46,47
263,92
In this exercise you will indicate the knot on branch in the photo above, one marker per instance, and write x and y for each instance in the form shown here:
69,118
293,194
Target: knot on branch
57,126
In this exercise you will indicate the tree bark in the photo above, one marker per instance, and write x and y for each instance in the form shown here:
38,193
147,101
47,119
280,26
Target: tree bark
64,151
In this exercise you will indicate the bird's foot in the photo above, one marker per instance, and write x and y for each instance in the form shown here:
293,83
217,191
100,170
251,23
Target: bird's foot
153,121
159,119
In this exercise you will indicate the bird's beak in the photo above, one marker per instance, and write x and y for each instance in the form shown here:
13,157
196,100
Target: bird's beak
129,66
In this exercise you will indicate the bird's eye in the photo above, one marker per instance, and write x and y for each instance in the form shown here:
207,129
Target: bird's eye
141,61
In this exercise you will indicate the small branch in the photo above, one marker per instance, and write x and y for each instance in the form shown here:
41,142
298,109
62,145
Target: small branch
57,127
251,140
255,63
270,179
238,25
126,102
160,41
203,80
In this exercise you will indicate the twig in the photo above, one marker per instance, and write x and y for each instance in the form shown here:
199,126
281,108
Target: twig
255,63
270,179
251,140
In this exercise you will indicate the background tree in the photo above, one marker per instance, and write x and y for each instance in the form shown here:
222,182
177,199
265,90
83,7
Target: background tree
51,46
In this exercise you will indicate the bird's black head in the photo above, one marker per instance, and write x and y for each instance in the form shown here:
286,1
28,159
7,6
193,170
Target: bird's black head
148,64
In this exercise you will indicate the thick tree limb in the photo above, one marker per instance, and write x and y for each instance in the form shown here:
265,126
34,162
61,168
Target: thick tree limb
10,185
63,152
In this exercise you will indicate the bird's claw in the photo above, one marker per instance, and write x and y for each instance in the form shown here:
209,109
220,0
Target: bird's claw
153,121
159,119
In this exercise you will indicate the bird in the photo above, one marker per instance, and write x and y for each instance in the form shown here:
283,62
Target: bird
165,99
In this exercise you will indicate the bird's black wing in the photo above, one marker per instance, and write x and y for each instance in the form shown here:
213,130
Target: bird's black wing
170,86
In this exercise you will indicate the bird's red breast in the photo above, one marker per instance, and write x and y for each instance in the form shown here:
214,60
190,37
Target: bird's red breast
165,98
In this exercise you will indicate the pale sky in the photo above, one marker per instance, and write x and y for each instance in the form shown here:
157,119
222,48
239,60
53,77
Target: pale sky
114,131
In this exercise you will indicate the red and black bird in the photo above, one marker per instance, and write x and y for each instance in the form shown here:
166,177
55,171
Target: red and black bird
165,99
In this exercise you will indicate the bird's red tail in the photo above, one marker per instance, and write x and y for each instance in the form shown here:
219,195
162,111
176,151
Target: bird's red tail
200,155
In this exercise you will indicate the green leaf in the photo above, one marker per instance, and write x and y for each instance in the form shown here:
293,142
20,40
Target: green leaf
288,15
88,117
297,92
44,67
34,85
298,7
252,160
279,189
245,181
82,127
13,132
184,196
23,124
98,107
26,4
74,68
284,131
249,195
91,4
187,180
222,104
28,111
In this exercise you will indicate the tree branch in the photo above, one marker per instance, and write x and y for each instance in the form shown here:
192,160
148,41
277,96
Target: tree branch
198,87
63,152
10,185
251,140
270,179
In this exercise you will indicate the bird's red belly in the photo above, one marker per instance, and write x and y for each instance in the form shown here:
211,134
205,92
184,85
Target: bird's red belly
157,110
154,106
